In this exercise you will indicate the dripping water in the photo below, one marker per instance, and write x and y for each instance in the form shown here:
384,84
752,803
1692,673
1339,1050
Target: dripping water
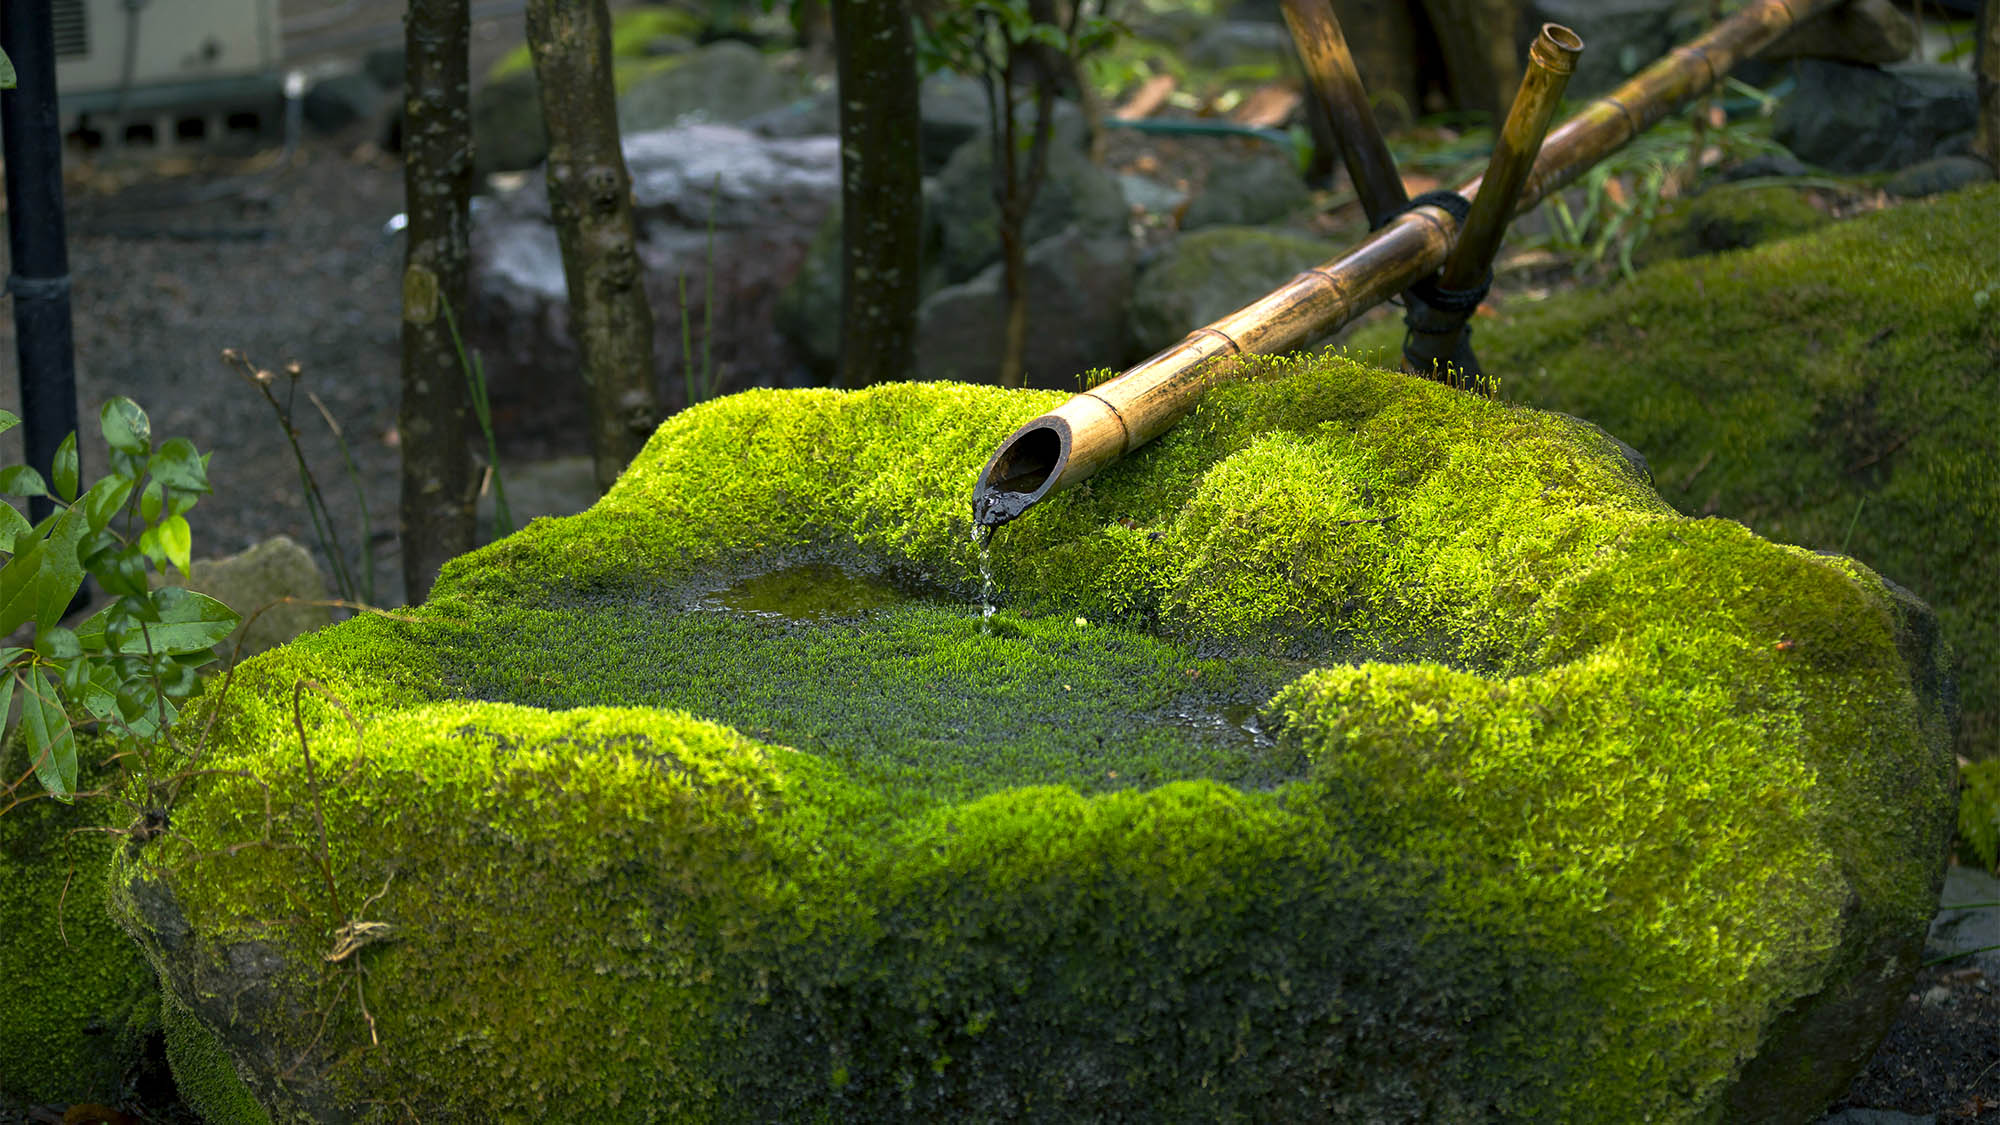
982,539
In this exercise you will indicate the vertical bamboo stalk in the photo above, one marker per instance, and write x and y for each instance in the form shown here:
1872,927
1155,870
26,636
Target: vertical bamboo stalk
590,198
1438,339
1335,85
1099,426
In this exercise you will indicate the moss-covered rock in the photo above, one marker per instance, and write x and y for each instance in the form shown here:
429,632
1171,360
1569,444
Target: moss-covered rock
1729,217
79,1000
1558,806
1839,390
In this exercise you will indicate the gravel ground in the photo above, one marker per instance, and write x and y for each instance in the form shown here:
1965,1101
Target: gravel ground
283,261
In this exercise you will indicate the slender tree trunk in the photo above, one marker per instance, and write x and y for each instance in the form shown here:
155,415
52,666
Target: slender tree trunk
590,198
1015,191
1476,38
881,190
1988,83
437,508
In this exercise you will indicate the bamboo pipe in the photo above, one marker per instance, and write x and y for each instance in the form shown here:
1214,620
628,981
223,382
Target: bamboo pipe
1438,344
1103,424
1334,81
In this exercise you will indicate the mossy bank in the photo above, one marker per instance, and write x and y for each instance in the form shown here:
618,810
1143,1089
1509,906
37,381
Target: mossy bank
1556,805
1839,390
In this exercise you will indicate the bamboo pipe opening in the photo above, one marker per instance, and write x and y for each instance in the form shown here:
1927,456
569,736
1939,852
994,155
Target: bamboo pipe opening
1023,470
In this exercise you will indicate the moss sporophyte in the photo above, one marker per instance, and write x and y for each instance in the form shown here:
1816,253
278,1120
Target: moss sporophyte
1247,796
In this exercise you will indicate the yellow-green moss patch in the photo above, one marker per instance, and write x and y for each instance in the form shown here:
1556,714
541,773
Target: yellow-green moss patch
1838,390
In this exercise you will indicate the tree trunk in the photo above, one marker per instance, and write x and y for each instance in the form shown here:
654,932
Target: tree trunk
1988,83
590,199
1476,38
437,508
881,191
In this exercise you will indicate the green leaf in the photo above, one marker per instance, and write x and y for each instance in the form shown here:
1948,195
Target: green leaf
66,469
60,572
100,694
57,643
178,466
7,78
7,680
13,526
189,623
101,503
126,427
51,743
150,502
8,420
17,586
22,480
124,573
149,542
177,540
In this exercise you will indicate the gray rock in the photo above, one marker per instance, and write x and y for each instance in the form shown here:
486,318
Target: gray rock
1956,933
1233,43
721,83
1866,119
953,107
1077,286
1769,164
1248,193
255,583
1201,276
1861,31
1939,175
340,100
808,311
1620,37
507,130
766,199
1150,195
385,66
1074,190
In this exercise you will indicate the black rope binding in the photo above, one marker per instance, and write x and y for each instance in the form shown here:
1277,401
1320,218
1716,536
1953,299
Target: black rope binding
1430,309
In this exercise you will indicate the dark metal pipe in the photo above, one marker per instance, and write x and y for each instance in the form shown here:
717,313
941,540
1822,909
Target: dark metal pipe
36,239
1336,85
1438,344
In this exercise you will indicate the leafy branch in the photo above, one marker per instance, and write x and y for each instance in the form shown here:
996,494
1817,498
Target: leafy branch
126,665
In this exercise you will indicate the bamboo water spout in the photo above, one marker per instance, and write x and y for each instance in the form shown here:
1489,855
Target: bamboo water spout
1103,424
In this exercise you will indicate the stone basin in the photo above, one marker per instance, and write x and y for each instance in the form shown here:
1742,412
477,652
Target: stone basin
1360,750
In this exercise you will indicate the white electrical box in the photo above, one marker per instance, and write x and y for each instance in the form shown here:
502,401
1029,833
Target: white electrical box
131,58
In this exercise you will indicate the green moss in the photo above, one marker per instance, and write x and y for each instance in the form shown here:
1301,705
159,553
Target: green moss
1565,797
203,1074
1729,217
633,31
1979,812
1840,391
79,1000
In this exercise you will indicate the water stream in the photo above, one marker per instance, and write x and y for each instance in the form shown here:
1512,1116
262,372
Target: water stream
982,540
